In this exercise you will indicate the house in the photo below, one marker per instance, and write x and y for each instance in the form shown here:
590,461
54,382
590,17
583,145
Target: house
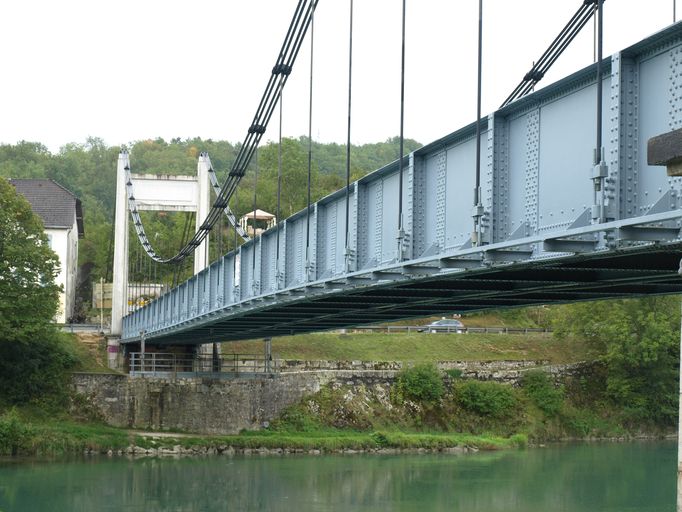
62,215
259,222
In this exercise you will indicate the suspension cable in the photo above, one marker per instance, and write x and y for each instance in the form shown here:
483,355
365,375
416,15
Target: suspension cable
279,180
599,178
600,36
220,238
350,90
401,230
254,238
560,43
236,279
477,190
278,78
185,236
310,146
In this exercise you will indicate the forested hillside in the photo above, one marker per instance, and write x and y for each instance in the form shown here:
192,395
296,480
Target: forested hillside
89,170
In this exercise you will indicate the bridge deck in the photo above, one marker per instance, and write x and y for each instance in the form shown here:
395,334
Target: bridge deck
547,235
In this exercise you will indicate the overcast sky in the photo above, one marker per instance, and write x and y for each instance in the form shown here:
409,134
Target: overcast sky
127,70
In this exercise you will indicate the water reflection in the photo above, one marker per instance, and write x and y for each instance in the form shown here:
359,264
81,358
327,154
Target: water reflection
584,477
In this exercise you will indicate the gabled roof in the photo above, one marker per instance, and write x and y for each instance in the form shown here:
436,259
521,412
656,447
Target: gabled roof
57,206
259,215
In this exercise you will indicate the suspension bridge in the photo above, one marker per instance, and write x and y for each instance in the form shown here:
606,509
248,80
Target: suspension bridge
555,217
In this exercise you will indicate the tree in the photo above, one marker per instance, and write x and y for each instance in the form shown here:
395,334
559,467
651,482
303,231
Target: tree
638,342
32,359
28,295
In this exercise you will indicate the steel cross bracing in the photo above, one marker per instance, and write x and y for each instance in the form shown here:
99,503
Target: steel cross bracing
542,242
278,78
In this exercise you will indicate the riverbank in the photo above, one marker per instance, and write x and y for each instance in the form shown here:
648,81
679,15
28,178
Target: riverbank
51,438
320,443
343,405
416,409
66,438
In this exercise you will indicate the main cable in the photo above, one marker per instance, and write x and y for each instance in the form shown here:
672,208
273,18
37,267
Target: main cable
567,34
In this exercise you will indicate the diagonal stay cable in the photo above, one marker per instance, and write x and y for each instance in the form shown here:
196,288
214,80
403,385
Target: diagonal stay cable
278,78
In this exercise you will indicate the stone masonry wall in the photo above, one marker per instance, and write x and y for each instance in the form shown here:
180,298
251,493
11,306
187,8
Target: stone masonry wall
208,406
226,406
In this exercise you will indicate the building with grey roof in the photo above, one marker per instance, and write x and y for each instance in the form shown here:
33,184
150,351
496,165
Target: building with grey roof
62,215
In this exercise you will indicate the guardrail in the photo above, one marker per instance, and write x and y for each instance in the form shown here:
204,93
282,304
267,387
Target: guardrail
158,364
450,329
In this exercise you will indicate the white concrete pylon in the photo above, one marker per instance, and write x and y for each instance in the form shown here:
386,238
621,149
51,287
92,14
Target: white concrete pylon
120,263
155,193
203,203
201,257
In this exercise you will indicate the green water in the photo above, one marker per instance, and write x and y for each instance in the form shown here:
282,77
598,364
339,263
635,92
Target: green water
581,477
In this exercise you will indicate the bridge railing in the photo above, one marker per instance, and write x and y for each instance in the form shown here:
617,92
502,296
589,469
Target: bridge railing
159,364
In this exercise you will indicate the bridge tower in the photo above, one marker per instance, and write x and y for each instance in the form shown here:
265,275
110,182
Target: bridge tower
157,193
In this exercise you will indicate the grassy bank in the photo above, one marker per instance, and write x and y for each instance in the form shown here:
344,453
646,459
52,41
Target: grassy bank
338,440
20,436
420,347
424,401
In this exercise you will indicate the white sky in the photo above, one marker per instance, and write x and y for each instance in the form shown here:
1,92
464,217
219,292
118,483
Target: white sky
126,70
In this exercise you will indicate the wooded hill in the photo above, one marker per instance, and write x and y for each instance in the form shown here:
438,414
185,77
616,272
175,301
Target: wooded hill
89,171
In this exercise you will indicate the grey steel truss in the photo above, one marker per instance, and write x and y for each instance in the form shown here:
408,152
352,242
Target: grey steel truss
547,236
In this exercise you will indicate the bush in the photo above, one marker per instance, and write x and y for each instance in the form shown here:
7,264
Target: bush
422,383
380,439
37,371
14,434
542,392
296,419
486,398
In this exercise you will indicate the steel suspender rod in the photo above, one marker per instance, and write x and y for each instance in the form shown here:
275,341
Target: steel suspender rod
279,190
401,226
478,207
308,269
347,254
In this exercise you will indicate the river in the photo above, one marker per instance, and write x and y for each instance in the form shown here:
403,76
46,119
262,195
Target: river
594,477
